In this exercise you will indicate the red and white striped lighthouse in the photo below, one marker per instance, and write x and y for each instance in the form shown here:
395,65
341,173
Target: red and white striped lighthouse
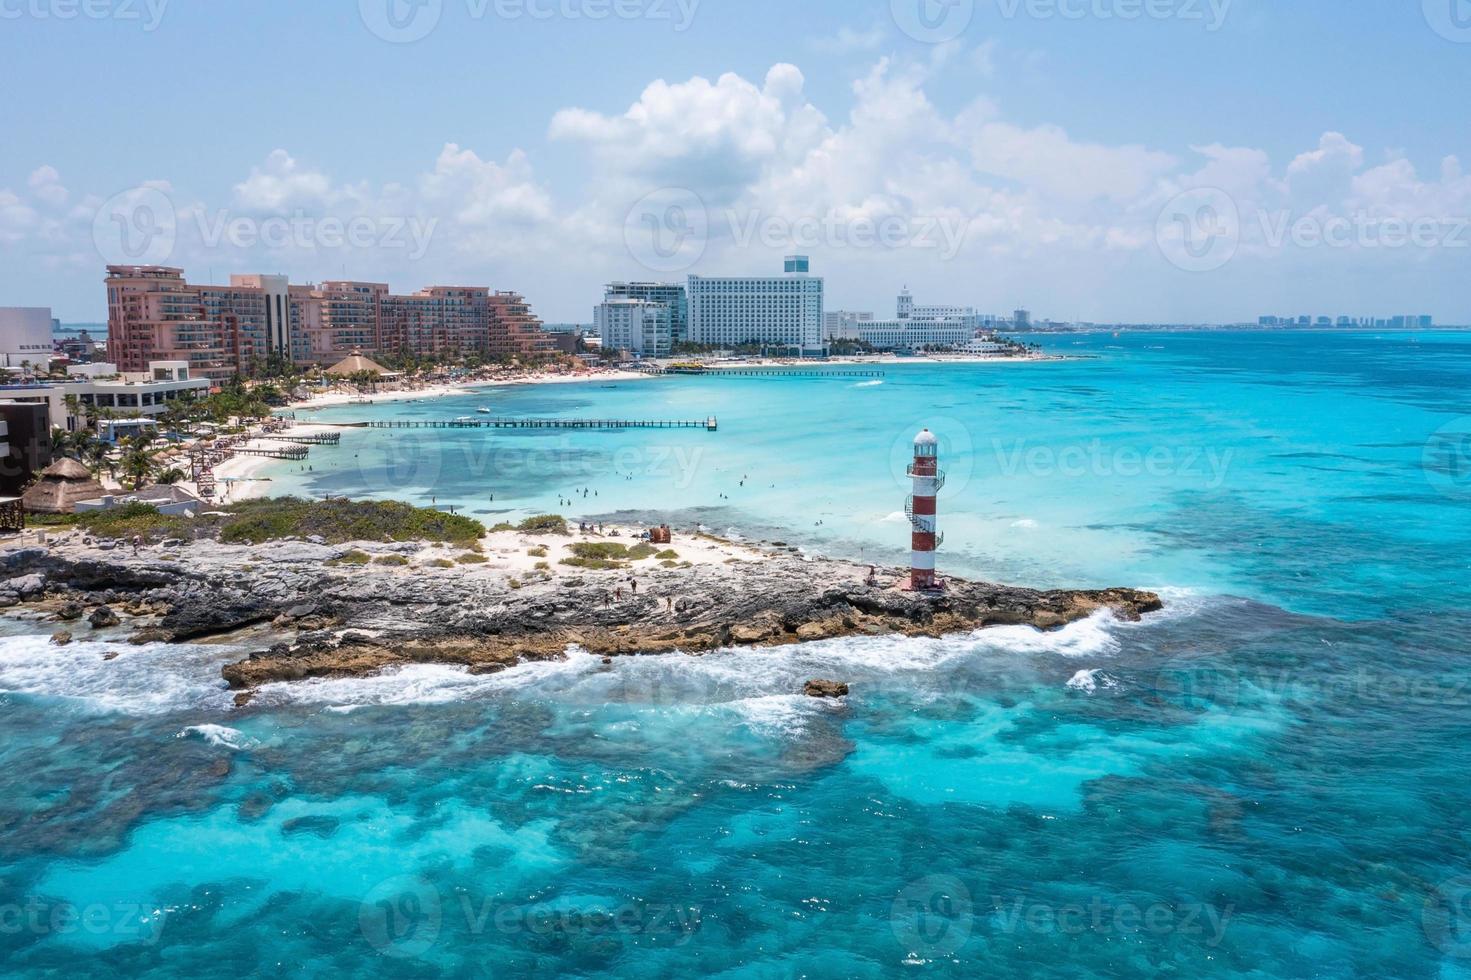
925,471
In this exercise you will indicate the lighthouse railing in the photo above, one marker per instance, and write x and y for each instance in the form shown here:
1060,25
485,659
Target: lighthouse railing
938,476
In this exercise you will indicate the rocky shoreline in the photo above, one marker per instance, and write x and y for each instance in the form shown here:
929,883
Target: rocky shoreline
358,621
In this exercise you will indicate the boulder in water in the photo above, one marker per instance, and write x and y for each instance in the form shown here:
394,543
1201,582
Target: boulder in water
825,689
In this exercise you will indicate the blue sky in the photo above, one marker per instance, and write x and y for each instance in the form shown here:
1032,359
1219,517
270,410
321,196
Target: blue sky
1152,160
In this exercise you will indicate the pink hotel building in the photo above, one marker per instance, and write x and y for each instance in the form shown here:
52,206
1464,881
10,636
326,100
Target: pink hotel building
154,315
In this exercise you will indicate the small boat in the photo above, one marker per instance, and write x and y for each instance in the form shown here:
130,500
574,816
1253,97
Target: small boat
483,410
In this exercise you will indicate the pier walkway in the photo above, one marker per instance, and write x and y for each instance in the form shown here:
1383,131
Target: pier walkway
773,373
710,424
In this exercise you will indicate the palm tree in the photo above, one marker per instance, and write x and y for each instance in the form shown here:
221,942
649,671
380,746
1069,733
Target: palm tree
139,459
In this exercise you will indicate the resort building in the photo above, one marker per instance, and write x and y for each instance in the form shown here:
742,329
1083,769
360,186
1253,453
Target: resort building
142,394
918,328
672,295
843,324
640,327
782,312
25,336
220,331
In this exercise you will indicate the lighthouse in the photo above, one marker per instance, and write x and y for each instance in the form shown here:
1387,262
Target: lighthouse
925,472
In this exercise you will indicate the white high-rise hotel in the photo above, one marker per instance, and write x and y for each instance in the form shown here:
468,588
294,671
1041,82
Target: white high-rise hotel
634,325
779,311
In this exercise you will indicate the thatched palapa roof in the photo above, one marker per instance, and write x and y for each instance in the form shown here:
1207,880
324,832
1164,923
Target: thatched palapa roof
62,484
355,364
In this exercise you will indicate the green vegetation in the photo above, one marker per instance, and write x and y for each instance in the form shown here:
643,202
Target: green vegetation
396,561
536,552
472,558
261,521
599,549
667,555
340,521
641,551
351,558
543,566
544,524
126,522
441,563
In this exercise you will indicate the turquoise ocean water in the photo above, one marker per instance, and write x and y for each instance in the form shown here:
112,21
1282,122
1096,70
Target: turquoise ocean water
1267,780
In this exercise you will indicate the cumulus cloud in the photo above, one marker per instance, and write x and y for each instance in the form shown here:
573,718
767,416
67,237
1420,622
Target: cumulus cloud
1029,205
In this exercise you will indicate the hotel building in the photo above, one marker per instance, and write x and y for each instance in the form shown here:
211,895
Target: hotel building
634,325
25,336
775,312
220,331
672,295
914,328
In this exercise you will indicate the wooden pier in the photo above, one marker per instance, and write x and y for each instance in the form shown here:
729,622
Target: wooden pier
320,439
271,452
710,424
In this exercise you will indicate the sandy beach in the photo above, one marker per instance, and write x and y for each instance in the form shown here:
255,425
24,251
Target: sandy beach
430,392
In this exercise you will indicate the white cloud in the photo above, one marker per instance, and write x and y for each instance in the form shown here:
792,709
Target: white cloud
1038,207
848,40
281,183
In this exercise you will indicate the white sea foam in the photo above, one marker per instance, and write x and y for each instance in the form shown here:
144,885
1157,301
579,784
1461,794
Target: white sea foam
421,684
868,384
1026,523
776,715
1089,681
219,735
897,517
1087,637
145,680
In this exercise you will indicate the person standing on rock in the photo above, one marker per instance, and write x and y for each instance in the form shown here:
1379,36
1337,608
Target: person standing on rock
633,582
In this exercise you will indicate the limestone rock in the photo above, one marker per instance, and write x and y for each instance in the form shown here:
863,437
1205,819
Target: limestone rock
825,689
103,617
